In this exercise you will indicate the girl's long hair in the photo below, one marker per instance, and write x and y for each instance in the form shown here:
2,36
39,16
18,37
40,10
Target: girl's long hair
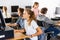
21,11
5,8
32,16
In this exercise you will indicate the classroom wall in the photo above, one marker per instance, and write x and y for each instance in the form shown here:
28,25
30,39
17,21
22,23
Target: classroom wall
9,3
50,4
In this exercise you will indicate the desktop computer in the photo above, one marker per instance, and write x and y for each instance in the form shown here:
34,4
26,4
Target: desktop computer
5,32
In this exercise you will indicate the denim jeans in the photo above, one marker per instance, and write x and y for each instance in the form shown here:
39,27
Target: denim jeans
52,28
42,36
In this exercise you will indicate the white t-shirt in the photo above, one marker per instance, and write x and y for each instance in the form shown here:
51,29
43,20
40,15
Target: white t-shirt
8,15
31,29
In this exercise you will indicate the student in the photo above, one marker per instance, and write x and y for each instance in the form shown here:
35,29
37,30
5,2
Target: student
30,26
50,28
5,13
35,9
20,21
40,19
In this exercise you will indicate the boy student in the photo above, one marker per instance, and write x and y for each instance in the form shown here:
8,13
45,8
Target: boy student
50,28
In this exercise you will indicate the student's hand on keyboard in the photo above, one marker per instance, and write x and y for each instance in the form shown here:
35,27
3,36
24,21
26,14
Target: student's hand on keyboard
11,24
8,24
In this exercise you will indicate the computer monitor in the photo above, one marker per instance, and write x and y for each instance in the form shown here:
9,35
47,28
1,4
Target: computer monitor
2,22
14,8
8,20
28,7
1,7
57,11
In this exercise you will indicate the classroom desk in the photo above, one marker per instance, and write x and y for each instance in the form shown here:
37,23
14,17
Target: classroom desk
58,23
18,36
22,36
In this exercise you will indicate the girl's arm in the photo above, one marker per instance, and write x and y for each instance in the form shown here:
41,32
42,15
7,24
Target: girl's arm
21,30
14,24
39,32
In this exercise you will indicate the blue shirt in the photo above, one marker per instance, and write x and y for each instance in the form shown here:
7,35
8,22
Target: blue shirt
20,21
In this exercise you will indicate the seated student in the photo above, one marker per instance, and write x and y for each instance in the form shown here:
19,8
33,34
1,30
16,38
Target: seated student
42,17
20,21
31,28
5,13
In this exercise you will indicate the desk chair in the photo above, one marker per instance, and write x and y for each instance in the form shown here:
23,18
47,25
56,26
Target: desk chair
40,23
14,17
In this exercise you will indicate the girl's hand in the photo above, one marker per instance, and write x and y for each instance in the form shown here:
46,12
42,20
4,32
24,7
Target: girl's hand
21,30
28,36
8,24
32,35
16,31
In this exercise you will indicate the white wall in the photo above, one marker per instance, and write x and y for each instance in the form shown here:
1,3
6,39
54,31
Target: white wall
50,4
20,3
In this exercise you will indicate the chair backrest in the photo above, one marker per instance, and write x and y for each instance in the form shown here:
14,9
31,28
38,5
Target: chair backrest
40,23
43,24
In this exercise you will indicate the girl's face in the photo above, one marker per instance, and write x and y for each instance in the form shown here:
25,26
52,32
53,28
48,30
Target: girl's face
25,15
36,6
18,12
3,9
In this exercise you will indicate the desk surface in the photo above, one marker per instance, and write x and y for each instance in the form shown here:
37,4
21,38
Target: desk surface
18,35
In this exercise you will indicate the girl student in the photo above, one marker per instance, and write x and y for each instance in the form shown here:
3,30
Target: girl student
30,26
35,9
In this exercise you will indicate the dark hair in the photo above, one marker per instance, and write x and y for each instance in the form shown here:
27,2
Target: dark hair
31,13
35,3
44,10
21,11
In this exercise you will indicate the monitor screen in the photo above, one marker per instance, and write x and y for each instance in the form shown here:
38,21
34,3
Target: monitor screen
28,7
57,11
14,8
1,7
2,22
8,20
